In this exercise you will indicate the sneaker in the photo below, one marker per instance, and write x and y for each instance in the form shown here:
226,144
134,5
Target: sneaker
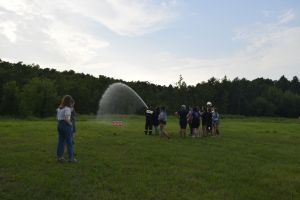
73,160
60,159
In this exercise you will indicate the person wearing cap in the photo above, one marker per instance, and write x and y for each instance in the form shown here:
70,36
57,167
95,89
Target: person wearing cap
182,115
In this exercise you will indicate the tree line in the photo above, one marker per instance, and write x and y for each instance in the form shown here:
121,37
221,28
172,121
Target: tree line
28,90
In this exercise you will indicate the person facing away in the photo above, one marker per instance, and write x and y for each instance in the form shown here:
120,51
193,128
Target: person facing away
149,120
162,118
204,117
64,128
155,120
215,122
182,115
209,120
189,119
195,121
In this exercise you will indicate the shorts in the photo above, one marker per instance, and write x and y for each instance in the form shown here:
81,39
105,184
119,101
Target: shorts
183,124
162,122
195,125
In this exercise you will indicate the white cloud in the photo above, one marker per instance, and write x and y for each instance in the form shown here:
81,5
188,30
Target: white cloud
130,17
8,29
271,50
49,33
44,32
286,17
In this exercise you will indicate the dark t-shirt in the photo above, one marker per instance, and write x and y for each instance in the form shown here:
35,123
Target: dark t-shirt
196,117
149,115
182,115
207,118
155,118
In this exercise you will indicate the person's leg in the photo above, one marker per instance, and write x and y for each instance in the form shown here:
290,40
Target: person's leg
165,133
213,130
61,142
208,129
146,128
161,130
150,128
60,146
200,131
184,133
194,132
70,146
217,129
156,129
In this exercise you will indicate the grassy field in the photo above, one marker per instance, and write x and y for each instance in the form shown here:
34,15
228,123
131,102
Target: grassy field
255,158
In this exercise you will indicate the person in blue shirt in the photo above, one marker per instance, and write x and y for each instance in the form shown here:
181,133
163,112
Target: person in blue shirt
182,115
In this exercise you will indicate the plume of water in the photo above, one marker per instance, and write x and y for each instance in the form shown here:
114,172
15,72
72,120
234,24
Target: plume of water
120,99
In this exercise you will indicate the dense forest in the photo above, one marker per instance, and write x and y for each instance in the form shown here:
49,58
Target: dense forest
28,90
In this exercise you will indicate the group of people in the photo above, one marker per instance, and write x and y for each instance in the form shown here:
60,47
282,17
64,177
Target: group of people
156,118
191,117
208,115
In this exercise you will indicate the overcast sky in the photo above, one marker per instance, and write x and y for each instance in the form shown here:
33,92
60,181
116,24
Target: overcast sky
155,40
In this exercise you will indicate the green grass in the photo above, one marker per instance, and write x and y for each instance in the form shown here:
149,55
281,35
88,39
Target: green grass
256,158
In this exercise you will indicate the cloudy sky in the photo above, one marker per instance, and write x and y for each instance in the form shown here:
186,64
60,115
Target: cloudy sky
155,40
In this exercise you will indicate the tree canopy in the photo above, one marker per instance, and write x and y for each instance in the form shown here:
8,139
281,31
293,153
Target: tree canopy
28,90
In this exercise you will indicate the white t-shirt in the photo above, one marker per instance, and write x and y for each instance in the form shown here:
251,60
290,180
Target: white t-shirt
63,112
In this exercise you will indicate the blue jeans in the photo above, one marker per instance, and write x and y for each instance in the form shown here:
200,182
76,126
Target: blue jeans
64,137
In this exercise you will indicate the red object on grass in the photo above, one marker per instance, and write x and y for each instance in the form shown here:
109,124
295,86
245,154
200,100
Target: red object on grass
117,123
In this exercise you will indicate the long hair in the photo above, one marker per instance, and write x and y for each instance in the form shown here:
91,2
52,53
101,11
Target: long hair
67,100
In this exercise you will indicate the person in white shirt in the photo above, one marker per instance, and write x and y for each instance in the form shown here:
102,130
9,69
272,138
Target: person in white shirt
64,127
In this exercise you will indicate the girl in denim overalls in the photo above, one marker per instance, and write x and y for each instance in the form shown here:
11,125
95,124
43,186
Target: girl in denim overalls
64,128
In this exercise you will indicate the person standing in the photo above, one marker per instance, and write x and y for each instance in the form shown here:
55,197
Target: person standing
195,121
155,120
209,121
189,120
149,121
64,127
182,115
162,118
204,121
215,122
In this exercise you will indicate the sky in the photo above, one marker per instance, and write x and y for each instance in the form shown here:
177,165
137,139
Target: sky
155,40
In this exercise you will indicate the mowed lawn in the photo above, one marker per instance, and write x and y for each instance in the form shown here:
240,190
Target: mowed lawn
255,158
